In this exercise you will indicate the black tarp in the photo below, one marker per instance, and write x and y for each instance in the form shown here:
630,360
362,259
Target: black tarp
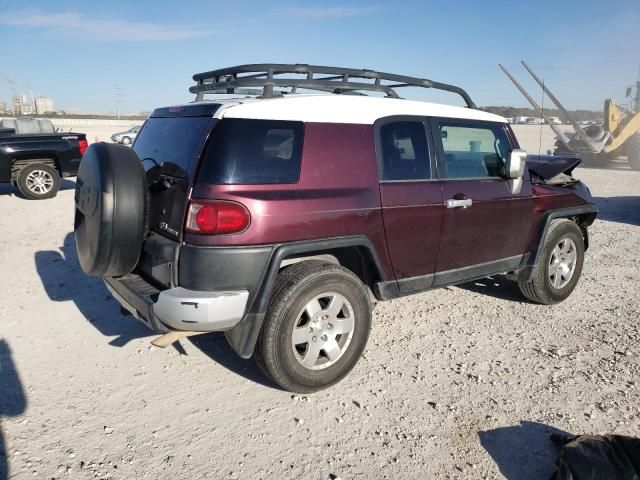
593,457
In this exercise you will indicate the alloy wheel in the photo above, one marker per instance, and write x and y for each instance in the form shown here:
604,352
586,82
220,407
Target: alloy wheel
322,331
39,182
562,263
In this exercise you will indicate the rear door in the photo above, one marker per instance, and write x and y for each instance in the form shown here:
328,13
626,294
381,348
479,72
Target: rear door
411,199
485,226
169,145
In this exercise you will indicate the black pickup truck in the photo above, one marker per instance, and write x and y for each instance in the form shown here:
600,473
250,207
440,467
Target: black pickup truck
35,162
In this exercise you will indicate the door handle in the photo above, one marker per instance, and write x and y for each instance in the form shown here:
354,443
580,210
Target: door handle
455,203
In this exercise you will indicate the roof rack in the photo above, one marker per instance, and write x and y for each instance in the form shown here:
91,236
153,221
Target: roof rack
236,80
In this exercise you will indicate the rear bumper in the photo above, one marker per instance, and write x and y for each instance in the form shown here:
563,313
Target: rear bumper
178,308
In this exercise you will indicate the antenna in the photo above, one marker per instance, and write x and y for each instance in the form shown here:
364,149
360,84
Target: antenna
541,119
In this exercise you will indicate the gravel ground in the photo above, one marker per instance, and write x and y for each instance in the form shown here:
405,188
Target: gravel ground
462,382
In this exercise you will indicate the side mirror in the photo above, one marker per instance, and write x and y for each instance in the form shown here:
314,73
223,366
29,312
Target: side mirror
516,163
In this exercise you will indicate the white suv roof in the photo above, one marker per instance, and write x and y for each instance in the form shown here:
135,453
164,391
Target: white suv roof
339,108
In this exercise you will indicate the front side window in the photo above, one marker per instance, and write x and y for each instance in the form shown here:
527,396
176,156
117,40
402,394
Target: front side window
243,151
404,151
474,150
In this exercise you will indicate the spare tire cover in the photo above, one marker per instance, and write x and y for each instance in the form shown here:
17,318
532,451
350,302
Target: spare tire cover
111,205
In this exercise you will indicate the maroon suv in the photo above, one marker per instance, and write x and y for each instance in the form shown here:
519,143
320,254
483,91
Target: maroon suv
277,218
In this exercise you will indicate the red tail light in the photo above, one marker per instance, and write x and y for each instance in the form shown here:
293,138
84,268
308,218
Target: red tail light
83,146
217,217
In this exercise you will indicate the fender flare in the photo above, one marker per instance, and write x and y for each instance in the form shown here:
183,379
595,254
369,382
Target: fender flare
531,261
243,337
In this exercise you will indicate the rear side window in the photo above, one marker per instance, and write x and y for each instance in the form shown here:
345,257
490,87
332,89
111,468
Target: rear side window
404,151
176,140
474,150
243,151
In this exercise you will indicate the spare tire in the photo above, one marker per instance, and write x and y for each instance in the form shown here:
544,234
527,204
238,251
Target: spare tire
111,210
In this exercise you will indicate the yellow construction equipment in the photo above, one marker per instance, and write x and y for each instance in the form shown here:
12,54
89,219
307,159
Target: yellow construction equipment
619,135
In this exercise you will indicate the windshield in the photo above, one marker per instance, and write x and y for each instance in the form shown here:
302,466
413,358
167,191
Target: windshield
174,140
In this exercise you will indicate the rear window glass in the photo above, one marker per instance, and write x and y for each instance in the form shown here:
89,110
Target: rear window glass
175,140
243,151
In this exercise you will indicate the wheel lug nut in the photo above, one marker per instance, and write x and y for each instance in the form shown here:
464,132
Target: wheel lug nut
329,326
324,337
315,339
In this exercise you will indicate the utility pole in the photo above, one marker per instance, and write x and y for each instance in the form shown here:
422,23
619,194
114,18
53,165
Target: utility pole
637,99
118,96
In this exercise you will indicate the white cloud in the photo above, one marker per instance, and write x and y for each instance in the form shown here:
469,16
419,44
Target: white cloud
321,13
74,24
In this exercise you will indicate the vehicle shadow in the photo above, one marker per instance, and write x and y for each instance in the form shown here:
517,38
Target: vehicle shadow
64,281
215,346
67,184
619,209
13,401
522,452
497,286
9,189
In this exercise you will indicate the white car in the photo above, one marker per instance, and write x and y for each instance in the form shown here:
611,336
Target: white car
126,138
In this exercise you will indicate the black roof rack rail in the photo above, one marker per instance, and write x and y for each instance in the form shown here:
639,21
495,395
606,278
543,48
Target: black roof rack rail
236,80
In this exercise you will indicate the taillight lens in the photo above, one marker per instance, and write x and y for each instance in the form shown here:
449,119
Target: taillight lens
83,146
216,218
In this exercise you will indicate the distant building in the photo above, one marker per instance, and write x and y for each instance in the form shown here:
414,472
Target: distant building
21,105
3,107
44,105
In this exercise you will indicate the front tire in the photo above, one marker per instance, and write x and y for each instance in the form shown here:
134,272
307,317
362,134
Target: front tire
38,181
125,141
560,264
316,328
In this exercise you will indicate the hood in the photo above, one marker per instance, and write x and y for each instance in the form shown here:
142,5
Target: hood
548,166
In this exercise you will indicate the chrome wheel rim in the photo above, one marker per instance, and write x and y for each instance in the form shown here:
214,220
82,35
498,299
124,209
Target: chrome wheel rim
322,331
39,182
562,263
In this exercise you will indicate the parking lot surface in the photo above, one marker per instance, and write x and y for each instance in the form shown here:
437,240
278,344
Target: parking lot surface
461,382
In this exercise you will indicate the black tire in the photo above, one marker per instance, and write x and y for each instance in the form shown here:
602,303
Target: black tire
125,141
561,149
38,181
633,151
111,210
295,287
540,288
596,160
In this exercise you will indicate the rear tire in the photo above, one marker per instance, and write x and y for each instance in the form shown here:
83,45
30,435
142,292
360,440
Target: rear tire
38,181
559,266
316,328
633,151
